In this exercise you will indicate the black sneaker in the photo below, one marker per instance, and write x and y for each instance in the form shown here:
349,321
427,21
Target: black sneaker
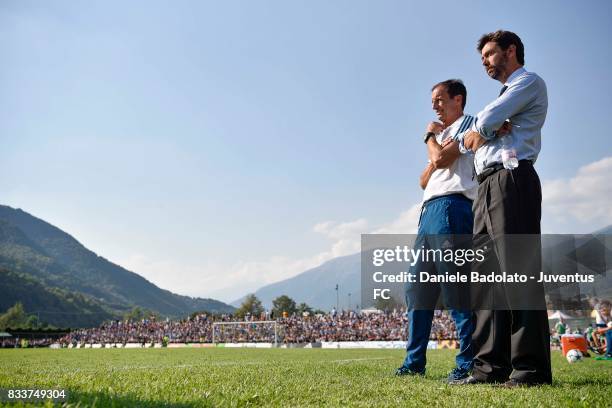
457,375
406,371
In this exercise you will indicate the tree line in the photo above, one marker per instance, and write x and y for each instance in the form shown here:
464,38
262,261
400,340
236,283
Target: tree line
282,305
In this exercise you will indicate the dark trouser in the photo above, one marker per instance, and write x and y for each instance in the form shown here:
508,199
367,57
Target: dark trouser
510,343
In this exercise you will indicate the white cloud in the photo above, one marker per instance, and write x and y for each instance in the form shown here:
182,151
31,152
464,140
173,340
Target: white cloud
581,203
406,223
346,236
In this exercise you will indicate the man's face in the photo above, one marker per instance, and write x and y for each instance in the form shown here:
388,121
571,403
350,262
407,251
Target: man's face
494,59
447,109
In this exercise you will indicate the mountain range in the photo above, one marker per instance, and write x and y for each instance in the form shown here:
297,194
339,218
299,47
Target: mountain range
66,284
317,286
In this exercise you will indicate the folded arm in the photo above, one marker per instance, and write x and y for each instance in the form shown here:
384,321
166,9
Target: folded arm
444,155
514,100
490,121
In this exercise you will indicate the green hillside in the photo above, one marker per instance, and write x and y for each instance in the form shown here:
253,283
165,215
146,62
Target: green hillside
52,305
35,251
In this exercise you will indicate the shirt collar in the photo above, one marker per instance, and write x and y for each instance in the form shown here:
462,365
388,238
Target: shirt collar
514,75
456,123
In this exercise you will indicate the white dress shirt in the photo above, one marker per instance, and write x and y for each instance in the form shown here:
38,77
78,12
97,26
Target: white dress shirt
524,102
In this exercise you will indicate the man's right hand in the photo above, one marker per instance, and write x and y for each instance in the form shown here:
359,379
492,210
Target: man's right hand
505,129
435,127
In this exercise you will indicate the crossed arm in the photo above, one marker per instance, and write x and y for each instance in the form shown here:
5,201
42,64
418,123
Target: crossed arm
441,156
494,120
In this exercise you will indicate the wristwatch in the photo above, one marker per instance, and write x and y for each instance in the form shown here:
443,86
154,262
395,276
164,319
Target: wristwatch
427,136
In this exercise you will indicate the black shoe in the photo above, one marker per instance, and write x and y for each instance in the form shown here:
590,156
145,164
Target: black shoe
406,371
512,383
457,374
471,380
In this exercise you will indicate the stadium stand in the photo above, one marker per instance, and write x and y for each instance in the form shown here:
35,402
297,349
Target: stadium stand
344,326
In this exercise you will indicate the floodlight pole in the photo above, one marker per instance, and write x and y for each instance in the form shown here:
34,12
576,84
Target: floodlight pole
337,299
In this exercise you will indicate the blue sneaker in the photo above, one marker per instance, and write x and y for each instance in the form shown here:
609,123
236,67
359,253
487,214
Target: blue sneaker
406,371
457,375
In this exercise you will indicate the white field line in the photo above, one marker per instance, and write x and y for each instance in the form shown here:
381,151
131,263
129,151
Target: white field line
208,364
349,360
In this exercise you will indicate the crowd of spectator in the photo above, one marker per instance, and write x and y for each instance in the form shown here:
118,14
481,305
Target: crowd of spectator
352,326
297,328
20,342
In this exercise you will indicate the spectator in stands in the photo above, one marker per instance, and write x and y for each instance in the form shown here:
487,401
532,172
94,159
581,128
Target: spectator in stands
291,329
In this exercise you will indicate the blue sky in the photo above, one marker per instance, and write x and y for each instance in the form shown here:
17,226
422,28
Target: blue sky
214,147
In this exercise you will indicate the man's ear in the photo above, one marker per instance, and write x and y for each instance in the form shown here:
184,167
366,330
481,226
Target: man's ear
511,51
458,99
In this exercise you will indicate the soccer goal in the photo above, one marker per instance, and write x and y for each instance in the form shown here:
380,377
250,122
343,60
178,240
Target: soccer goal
265,331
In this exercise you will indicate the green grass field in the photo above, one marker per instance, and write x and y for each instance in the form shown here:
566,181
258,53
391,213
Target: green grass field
282,377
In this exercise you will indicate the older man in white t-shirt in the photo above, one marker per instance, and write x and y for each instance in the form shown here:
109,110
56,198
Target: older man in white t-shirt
446,214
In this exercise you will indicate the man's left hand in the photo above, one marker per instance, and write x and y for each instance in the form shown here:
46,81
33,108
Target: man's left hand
473,141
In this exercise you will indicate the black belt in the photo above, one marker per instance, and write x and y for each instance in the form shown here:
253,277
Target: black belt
494,168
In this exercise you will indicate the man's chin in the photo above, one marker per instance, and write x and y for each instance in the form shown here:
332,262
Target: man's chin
493,74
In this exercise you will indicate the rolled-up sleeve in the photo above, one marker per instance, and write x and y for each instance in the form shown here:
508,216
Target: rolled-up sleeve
517,96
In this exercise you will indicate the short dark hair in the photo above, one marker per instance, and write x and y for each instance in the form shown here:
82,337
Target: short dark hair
454,87
504,39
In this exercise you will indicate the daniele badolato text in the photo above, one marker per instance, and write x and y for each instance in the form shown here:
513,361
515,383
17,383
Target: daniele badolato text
477,277
458,257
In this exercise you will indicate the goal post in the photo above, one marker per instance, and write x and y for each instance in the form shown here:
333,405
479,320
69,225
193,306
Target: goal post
262,331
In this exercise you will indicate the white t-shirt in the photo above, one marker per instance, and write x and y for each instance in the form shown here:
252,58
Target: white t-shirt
600,318
458,177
